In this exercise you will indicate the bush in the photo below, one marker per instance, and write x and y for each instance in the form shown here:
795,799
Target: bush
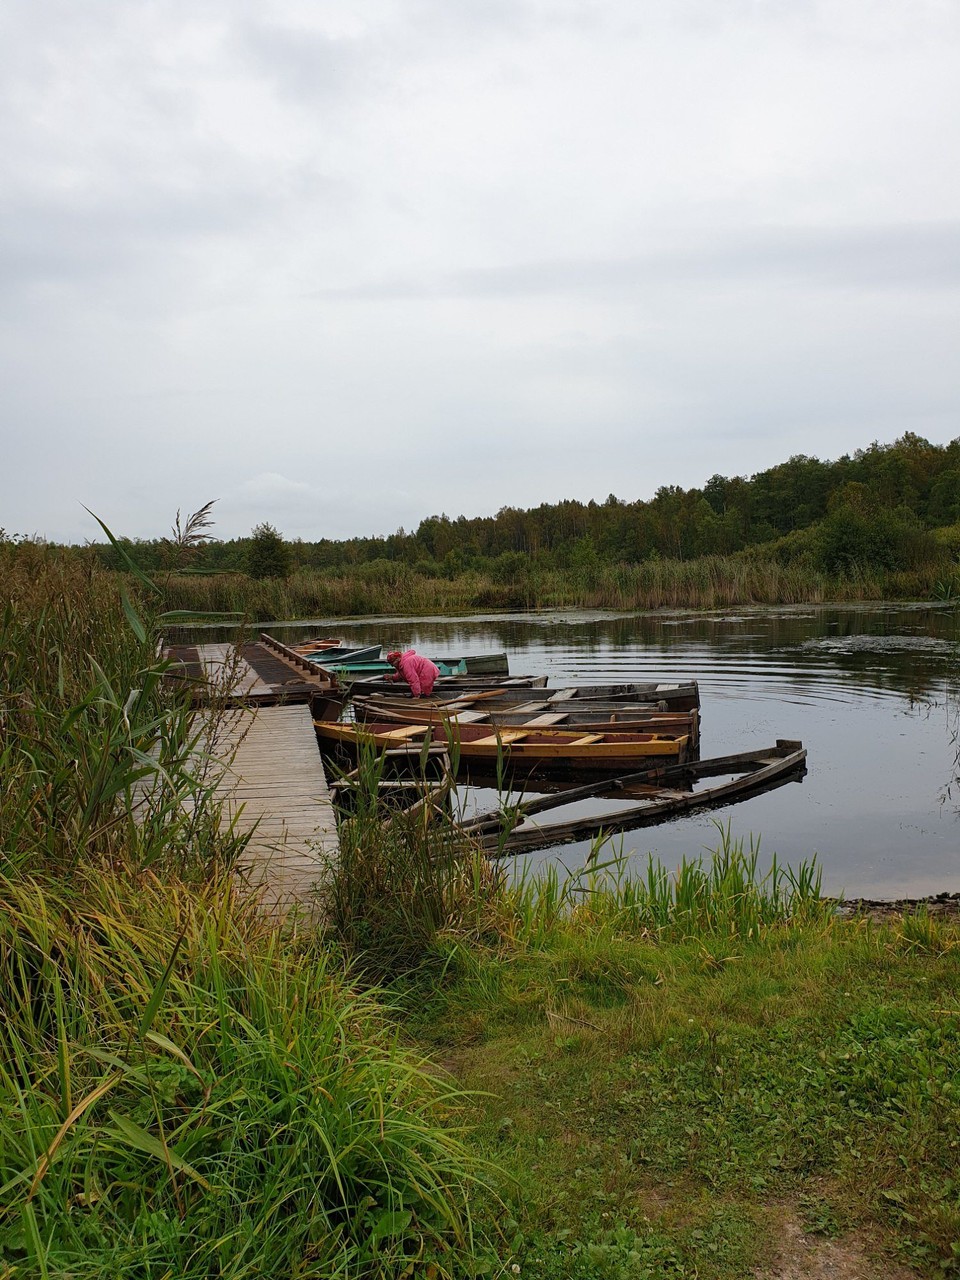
268,556
851,541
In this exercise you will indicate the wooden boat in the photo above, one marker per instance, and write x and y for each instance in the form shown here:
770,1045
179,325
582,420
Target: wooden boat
350,670
332,655
484,664
610,719
675,697
519,750
669,793
480,664
509,697
320,642
452,686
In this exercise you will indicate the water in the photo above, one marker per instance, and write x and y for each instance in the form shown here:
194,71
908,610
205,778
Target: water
871,691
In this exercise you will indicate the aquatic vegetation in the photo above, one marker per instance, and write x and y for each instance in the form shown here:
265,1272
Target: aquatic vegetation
708,582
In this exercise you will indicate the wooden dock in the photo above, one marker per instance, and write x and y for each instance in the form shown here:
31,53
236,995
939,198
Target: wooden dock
260,672
272,782
274,787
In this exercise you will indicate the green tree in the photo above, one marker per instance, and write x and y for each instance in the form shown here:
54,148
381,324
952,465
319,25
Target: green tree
268,556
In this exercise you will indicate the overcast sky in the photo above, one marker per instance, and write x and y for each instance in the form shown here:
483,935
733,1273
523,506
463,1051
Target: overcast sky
345,265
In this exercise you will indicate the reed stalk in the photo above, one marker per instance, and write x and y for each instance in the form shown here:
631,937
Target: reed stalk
709,582
101,761
728,893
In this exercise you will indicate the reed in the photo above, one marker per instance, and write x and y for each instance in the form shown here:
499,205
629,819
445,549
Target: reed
400,886
709,582
99,762
185,1091
729,893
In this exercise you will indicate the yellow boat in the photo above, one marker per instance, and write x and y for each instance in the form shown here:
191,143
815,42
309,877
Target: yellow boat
520,749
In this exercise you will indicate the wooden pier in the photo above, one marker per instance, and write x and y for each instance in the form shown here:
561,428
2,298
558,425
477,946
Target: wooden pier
271,777
261,672
274,786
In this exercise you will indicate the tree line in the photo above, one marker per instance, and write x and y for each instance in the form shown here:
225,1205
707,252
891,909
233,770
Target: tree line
888,506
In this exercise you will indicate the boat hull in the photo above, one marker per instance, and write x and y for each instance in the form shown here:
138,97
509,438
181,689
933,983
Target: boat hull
330,657
627,719
516,750
668,794
504,695
481,664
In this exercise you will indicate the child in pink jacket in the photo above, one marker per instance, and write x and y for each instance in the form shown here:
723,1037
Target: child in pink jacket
419,672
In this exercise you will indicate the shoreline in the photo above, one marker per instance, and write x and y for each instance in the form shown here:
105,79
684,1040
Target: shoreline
937,904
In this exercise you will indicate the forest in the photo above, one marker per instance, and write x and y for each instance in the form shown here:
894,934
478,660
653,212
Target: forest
888,507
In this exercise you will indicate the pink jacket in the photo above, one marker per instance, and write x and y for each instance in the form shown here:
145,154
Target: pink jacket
418,672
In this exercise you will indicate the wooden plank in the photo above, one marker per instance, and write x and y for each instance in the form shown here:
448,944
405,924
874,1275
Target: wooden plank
505,736
274,787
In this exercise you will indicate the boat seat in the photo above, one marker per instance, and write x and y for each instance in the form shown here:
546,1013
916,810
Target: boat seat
586,740
551,717
405,731
506,736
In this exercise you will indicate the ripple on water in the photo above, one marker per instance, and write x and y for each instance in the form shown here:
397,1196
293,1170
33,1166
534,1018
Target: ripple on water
871,690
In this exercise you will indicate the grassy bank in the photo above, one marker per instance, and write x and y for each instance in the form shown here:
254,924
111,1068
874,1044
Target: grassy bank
384,587
667,1075
683,1093
680,1073
185,1090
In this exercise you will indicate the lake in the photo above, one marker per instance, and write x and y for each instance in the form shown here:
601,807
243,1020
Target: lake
872,691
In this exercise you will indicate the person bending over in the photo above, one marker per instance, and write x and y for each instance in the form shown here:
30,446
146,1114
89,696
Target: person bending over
419,673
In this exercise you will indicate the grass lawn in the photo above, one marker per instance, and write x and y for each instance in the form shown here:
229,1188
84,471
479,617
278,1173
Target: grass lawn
712,1107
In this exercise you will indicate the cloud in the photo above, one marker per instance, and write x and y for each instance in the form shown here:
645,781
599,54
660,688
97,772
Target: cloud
871,258
348,265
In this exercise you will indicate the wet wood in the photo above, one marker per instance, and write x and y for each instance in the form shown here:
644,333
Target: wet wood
273,786
758,771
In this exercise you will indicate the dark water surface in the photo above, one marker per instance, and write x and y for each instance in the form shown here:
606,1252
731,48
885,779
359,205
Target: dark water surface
872,691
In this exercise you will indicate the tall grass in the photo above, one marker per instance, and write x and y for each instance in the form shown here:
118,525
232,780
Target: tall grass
398,887
98,760
393,588
185,1092
727,894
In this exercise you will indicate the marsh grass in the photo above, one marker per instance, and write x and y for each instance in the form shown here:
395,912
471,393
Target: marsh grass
398,887
99,761
184,1091
386,587
729,892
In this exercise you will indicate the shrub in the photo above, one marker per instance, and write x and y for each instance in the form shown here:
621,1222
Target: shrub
268,556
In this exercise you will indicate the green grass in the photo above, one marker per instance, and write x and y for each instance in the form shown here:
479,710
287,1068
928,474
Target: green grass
661,1104
187,1092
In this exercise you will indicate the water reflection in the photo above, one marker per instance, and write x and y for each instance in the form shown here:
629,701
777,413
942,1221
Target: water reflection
871,690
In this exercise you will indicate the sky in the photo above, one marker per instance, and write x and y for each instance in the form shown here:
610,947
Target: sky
344,265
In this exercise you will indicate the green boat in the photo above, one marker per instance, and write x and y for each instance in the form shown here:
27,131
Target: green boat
346,672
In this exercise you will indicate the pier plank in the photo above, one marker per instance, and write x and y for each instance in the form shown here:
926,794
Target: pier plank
274,786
